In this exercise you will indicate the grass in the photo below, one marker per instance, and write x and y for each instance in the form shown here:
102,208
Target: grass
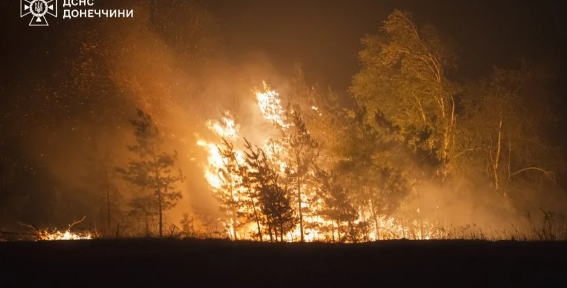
216,262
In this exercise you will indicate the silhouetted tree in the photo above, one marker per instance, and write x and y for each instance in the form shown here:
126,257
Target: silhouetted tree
229,191
504,129
99,178
251,182
273,199
151,173
301,152
187,227
276,207
338,207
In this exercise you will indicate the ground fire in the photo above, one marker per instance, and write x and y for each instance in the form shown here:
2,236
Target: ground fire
52,234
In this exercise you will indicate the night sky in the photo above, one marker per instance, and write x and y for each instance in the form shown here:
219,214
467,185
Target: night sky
325,35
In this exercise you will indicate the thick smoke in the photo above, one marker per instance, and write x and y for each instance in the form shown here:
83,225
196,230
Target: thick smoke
182,89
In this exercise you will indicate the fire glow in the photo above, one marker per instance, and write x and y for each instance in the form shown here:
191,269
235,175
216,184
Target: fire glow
315,228
67,235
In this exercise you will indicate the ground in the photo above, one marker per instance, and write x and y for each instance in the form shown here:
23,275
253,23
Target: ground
216,263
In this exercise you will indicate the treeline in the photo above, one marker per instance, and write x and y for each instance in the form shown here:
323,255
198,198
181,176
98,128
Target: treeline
417,153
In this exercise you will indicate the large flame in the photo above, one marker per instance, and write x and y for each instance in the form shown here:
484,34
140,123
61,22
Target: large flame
315,228
269,103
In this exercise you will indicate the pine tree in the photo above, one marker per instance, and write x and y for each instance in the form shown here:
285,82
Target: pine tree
273,200
276,207
252,186
151,173
229,192
302,149
338,207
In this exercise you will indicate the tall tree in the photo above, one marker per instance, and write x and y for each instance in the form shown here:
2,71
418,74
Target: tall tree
152,172
404,77
338,207
100,179
508,115
229,193
302,153
252,180
276,207
273,198
369,162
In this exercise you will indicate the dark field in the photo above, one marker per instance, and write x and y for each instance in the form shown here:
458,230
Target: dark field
212,263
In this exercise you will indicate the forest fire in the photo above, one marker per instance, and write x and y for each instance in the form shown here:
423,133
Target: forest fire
384,158
229,171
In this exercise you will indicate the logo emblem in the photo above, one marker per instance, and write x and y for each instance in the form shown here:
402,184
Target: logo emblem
38,9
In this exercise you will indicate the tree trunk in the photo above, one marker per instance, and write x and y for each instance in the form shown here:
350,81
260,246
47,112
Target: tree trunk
496,161
420,212
447,137
275,227
509,165
257,218
339,231
375,217
333,232
299,207
158,191
233,224
107,196
147,227
352,232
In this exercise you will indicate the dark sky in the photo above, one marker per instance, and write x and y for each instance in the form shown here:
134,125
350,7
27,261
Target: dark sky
325,35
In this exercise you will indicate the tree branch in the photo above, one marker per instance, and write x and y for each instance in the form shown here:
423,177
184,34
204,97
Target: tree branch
76,222
549,174
466,151
29,226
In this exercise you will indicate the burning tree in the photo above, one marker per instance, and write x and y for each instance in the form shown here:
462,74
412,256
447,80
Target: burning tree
400,138
273,198
151,173
229,192
252,181
301,154
276,207
338,207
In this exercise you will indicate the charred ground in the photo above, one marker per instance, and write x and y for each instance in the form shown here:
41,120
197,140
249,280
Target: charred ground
203,263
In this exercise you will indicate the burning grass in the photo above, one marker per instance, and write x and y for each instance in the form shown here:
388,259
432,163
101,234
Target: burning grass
55,234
